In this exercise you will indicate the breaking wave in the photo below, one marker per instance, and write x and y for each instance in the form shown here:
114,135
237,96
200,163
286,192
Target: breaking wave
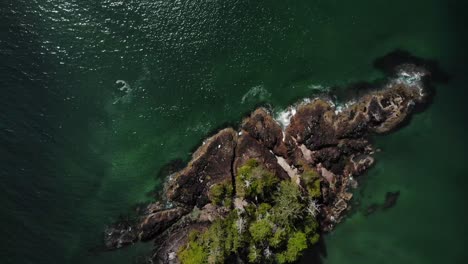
284,117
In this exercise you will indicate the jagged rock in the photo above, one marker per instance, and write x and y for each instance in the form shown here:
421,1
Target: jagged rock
261,126
211,163
309,122
152,225
122,233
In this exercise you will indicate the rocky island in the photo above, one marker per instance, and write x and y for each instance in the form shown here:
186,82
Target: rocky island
263,193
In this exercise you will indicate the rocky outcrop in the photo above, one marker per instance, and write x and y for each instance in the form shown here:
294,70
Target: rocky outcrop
263,128
332,141
211,164
250,148
120,234
154,224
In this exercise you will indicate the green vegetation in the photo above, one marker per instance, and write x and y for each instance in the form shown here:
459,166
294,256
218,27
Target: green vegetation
261,230
312,180
253,182
193,254
213,245
221,194
296,244
273,226
288,205
278,238
254,254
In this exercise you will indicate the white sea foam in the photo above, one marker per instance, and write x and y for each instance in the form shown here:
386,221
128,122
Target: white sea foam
125,86
411,78
256,94
340,107
131,91
284,117
318,87
127,89
202,127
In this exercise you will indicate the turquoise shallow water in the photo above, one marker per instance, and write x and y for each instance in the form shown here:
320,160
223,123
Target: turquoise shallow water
76,151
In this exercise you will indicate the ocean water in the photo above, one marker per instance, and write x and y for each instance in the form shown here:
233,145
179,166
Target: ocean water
98,96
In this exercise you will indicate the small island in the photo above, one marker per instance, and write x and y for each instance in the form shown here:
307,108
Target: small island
265,192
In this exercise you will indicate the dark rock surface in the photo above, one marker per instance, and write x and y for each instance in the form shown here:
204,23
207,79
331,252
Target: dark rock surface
249,148
262,127
155,223
190,185
120,234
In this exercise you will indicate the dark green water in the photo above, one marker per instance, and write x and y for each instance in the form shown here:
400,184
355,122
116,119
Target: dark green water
75,152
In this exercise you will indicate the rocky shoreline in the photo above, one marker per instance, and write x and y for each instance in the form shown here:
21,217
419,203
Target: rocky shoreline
332,142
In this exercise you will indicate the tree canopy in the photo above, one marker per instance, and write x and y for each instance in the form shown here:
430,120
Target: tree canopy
275,225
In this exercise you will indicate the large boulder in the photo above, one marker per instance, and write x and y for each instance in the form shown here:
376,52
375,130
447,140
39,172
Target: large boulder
261,126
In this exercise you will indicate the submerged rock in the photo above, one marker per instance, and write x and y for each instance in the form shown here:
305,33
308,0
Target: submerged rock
321,139
120,234
391,199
